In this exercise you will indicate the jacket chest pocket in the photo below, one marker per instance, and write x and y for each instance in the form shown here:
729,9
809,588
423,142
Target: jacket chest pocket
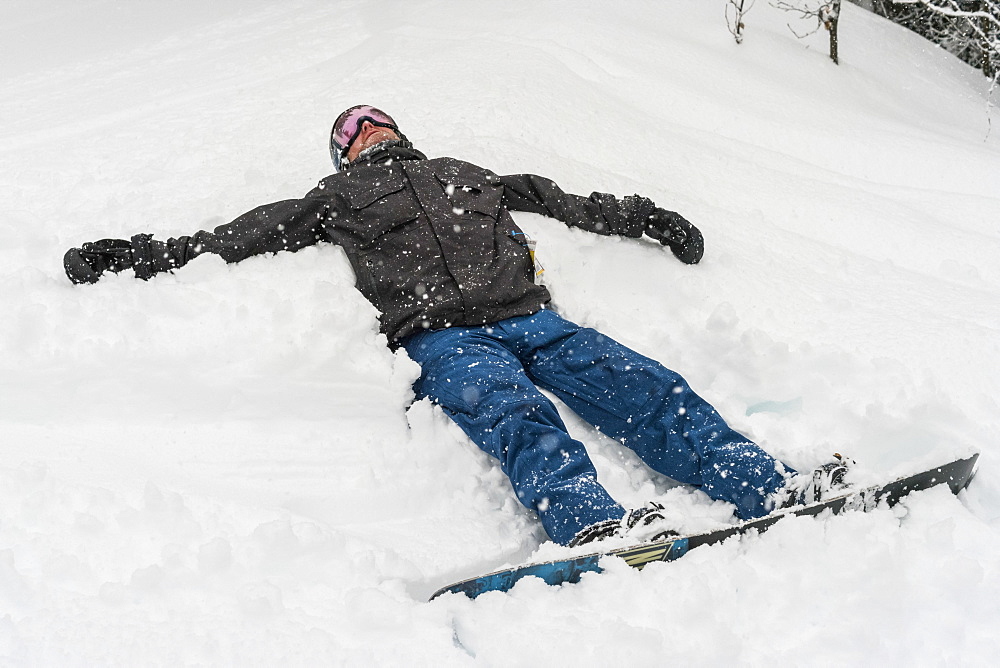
467,193
379,204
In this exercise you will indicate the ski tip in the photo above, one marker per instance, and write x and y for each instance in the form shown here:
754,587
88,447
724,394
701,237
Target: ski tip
975,469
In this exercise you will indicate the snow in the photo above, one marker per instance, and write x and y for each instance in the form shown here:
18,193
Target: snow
223,466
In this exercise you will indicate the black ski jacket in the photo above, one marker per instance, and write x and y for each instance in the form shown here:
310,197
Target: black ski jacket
431,242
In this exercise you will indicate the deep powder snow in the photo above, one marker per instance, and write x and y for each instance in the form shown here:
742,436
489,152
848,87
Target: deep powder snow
223,466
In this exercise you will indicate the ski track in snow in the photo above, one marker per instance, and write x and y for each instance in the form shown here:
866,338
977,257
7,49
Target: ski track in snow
223,466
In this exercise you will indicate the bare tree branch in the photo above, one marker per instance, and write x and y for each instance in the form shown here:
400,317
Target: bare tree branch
737,9
827,15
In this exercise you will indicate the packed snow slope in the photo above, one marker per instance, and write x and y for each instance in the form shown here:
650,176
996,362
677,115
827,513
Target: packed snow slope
223,466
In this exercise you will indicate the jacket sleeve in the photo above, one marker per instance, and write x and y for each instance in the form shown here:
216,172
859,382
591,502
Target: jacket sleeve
286,225
600,213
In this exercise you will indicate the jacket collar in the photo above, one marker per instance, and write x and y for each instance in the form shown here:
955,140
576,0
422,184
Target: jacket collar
384,152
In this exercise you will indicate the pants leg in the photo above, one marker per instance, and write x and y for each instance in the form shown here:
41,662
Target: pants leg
651,410
482,386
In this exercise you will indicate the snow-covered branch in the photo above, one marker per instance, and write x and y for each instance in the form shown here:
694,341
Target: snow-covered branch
966,24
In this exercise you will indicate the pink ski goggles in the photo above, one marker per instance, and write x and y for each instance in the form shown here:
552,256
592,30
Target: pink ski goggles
348,124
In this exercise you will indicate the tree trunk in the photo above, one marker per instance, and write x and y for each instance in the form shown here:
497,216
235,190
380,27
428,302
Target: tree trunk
989,67
832,21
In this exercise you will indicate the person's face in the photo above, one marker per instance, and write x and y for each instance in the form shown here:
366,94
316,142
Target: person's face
369,135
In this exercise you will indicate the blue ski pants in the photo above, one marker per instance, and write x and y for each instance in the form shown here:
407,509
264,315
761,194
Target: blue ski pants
487,378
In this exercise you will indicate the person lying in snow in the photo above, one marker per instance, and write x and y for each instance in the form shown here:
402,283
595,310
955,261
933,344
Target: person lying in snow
435,249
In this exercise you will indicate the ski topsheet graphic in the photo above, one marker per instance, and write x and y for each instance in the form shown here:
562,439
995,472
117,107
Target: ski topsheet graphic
956,475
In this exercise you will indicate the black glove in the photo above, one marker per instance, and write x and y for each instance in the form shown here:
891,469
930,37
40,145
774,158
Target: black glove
86,264
671,229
